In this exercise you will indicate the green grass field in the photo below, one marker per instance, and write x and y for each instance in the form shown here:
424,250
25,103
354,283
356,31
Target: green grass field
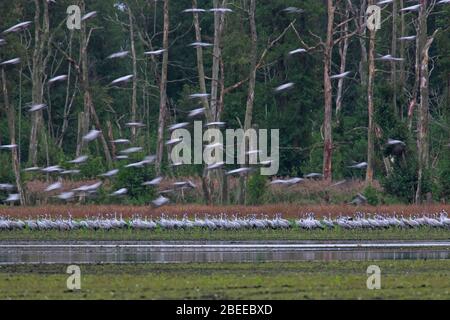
300,280
200,234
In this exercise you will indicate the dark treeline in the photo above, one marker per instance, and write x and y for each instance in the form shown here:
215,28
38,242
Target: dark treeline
327,124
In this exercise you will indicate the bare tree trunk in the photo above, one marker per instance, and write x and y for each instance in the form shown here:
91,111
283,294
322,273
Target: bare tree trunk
394,54
362,43
41,35
89,109
343,49
11,115
162,90
217,52
370,107
200,65
250,91
423,146
328,95
402,79
134,62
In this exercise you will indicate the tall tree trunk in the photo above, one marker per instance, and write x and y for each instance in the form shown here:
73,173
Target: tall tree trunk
343,49
328,94
362,43
370,106
394,54
251,89
11,115
402,76
163,89
89,109
200,64
41,35
219,19
134,62
423,146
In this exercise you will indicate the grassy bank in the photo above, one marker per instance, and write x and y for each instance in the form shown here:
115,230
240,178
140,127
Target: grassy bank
201,234
299,280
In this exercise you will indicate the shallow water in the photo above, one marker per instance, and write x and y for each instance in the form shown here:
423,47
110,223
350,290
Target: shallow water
87,252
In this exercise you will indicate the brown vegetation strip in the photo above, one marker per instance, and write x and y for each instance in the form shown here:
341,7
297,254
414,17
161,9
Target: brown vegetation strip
287,210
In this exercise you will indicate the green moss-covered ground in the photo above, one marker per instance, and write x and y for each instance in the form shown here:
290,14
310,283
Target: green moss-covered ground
416,279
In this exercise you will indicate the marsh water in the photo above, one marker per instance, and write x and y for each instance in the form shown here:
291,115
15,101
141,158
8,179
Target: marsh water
94,252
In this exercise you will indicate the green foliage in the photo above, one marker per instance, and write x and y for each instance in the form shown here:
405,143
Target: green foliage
132,179
372,195
442,186
256,189
92,168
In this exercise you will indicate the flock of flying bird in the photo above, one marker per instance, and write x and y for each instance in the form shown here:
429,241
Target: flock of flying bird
222,222
125,153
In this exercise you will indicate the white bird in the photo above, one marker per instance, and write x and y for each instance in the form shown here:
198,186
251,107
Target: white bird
52,169
120,192
313,175
155,52
407,38
67,172
196,112
31,169
120,54
173,141
132,150
63,77
284,87
13,197
293,10
153,182
89,188
293,181
37,107
18,27
340,75
89,15
121,141
361,165
199,95
178,126
8,146
239,171
200,44
411,8
110,173
54,186
444,2
215,124
91,135
10,62
122,157
135,125
384,2
123,79
160,201
220,10
194,10
389,58
394,142
66,195
79,160
214,145
216,165
6,186
300,50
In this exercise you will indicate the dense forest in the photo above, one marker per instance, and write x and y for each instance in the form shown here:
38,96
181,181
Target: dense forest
361,104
